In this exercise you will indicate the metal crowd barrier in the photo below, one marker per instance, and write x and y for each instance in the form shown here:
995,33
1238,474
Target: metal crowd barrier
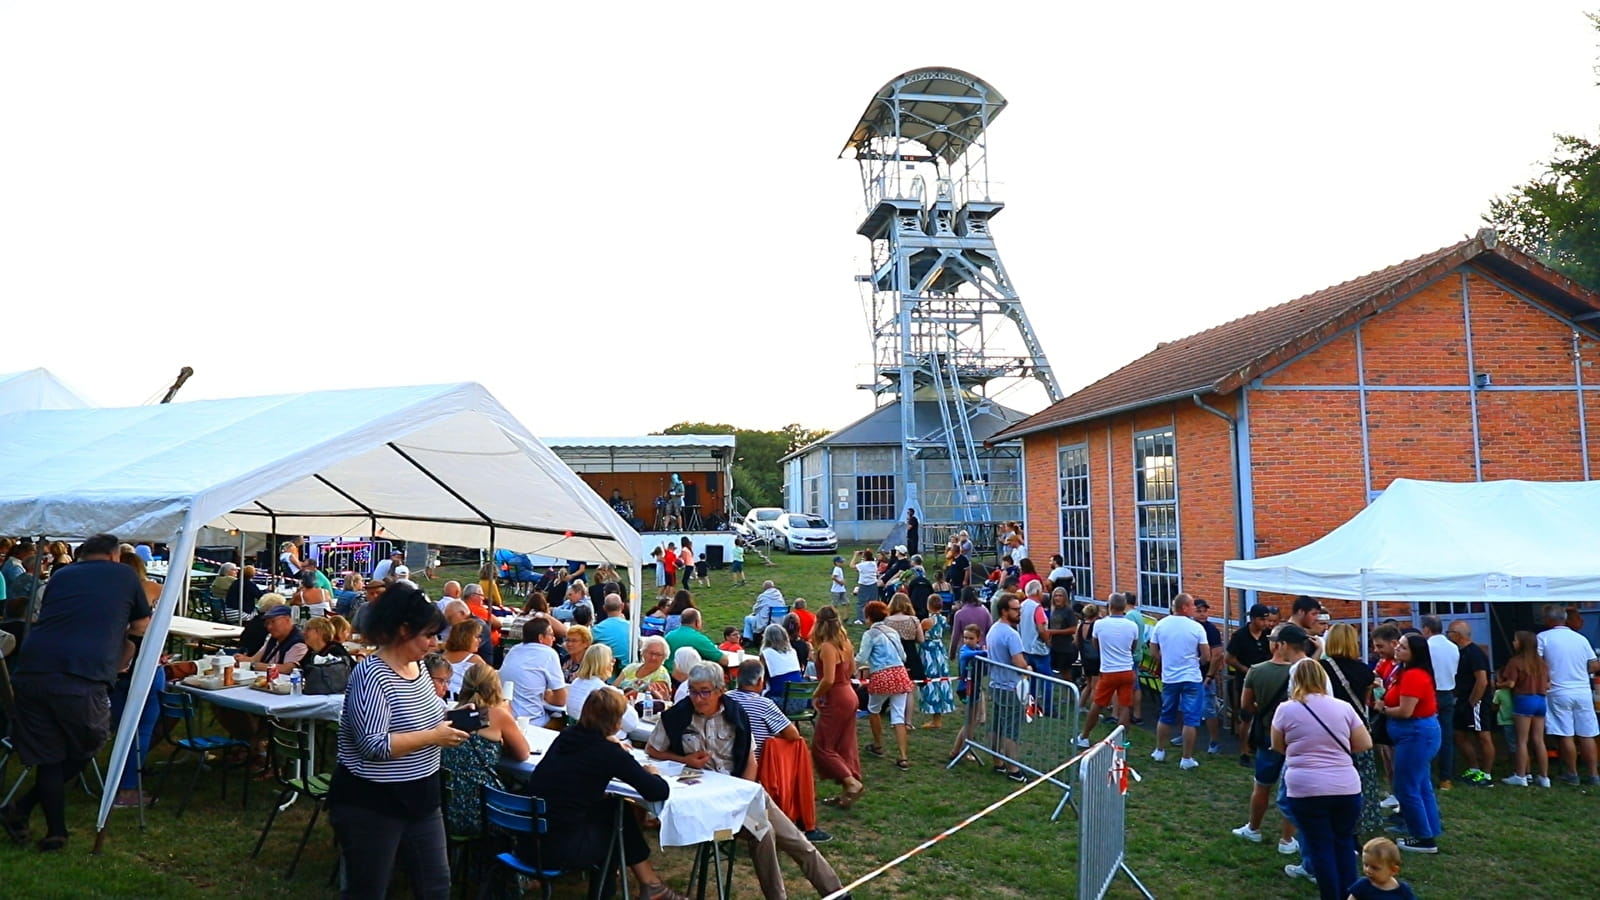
1042,717
1102,780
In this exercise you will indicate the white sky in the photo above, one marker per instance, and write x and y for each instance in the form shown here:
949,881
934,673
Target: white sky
294,196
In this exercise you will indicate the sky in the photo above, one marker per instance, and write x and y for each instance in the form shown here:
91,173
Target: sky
620,216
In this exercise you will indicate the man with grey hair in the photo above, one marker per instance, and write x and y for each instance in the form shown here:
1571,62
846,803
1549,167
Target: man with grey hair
455,612
704,731
767,721
767,602
1570,714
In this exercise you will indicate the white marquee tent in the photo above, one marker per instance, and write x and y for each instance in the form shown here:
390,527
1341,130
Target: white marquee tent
445,464
36,389
1429,540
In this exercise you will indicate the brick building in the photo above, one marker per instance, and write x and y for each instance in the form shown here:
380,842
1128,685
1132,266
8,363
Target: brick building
1263,434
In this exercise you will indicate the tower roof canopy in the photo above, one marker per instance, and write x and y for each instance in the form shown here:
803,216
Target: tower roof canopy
941,108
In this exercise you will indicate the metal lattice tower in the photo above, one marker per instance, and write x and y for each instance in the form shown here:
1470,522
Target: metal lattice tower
946,322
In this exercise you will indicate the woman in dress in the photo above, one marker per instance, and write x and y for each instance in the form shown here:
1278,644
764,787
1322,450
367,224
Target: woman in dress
882,663
469,767
384,799
315,599
834,751
935,697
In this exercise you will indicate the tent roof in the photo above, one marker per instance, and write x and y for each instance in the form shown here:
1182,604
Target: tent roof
1429,540
647,441
36,389
440,463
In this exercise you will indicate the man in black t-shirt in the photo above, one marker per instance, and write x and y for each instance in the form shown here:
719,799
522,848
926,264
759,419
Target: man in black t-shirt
1247,647
1474,716
63,678
956,573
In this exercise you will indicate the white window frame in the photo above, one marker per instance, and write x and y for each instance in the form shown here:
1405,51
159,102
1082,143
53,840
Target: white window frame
1157,557
1076,501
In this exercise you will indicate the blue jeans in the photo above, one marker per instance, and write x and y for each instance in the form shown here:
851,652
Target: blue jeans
147,725
1416,742
1447,746
865,593
1328,834
1041,689
1306,860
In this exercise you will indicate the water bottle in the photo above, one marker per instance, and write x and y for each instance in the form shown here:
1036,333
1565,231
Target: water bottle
294,683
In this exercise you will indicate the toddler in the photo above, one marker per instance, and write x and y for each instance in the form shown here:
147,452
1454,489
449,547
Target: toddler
1380,864
702,571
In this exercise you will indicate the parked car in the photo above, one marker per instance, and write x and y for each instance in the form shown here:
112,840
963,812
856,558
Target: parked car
799,533
761,522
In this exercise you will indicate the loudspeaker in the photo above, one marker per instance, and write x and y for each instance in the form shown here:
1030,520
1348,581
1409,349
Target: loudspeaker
711,482
713,556
691,494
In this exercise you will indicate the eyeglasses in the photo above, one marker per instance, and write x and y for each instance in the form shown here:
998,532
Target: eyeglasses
709,692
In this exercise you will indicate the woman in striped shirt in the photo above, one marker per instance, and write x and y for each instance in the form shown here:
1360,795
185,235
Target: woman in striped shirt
385,792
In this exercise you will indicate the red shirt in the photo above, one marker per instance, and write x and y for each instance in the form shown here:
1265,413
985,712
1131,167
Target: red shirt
1414,682
808,620
670,560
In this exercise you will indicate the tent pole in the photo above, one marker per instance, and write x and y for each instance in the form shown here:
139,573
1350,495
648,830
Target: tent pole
1365,616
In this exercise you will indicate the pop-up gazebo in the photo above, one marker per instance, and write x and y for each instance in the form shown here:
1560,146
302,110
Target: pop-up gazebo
444,464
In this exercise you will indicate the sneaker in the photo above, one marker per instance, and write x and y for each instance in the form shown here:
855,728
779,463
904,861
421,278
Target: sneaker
1291,847
1515,780
1244,760
1188,762
1082,742
1419,845
1214,748
1176,740
1248,833
1591,779
1445,785
818,836
1389,802
1571,779
1019,776
1299,872
1541,781
1161,756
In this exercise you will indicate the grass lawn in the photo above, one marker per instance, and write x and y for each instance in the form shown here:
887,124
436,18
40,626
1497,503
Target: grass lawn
1499,842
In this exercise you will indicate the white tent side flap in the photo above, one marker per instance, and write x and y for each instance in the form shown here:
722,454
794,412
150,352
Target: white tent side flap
1496,541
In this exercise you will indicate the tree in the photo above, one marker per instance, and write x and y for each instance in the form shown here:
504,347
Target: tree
1556,216
757,475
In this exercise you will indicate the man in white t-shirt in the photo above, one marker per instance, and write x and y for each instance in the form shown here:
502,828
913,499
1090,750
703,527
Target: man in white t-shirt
385,567
1180,651
532,674
1446,659
1116,637
1570,712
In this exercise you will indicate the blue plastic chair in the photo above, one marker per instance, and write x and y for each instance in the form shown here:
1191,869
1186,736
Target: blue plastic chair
180,706
522,815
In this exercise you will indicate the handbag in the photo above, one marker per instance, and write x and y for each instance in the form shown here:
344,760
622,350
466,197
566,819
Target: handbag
326,678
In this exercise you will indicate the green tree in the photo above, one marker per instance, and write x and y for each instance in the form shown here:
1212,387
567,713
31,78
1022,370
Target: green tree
757,475
1556,216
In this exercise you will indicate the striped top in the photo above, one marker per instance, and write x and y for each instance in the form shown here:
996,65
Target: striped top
378,703
766,719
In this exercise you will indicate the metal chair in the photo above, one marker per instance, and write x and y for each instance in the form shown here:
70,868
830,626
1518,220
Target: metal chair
522,815
180,706
796,703
291,750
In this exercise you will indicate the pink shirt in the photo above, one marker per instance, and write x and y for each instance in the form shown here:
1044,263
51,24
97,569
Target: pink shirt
1316,764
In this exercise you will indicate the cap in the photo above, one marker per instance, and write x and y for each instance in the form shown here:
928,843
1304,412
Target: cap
1201,604
838,559
1290,633
900,549
276,612
400,553
1261,611
401,572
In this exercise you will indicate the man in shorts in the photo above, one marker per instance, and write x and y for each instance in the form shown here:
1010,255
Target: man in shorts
90,615
1474,716
1570,714
1116,637
1005,646
1181,656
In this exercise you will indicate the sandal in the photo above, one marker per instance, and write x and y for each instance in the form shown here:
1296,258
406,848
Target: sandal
875,750
849,798
660,891
903,764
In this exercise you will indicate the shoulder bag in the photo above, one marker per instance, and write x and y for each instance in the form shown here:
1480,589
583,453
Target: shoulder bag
1343,745
327,678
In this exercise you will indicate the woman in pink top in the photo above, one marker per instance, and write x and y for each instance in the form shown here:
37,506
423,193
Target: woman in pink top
1318,736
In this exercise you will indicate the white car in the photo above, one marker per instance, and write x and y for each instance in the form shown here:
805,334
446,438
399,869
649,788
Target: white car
799,533
761,522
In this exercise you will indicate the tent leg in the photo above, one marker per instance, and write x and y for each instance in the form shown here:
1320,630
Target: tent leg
99,840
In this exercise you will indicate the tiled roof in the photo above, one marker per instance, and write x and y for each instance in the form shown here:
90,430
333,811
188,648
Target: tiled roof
1222,359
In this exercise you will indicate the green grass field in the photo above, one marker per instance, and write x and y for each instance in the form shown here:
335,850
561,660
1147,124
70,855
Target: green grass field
1499,842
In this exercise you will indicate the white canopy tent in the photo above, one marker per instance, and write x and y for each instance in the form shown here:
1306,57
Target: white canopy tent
1493,541
36,389
444,464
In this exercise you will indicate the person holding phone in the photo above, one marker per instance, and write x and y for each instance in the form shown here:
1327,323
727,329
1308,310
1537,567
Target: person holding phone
384,798
484,713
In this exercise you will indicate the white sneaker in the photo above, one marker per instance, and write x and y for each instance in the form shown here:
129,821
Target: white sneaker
1291,847
1541,780
1299,872
1389,802
1082,742
1248,833
1188,762
1515,780
1176,740
1158,755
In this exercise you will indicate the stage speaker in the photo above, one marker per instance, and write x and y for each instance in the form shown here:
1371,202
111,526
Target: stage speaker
714,556
711,482
691,494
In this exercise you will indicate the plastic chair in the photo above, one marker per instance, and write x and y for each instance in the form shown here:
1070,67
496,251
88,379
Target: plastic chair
180,706
796,703
291,744
522,815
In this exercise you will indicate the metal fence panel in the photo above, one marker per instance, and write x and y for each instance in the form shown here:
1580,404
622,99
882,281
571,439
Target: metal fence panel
1031,726
1102,852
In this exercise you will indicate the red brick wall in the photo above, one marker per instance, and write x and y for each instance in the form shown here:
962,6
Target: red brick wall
1306,445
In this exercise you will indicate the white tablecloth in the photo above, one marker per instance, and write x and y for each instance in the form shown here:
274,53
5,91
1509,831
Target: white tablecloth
182,626
326,707
692,813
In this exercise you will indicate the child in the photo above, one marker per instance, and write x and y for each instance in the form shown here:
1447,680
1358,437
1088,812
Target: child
736,564
837,587
702,572
1380,861
730,640
1010,567
1504,717
971,648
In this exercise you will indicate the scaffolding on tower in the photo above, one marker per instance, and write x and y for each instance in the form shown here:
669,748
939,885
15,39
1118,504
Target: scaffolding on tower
948,328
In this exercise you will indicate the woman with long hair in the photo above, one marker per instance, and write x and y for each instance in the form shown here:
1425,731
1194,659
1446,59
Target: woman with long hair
1350,679
1318,736
1414,725
834,750
681,601
882,662
461,651
1027,575
903,621
1529,680
591,676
